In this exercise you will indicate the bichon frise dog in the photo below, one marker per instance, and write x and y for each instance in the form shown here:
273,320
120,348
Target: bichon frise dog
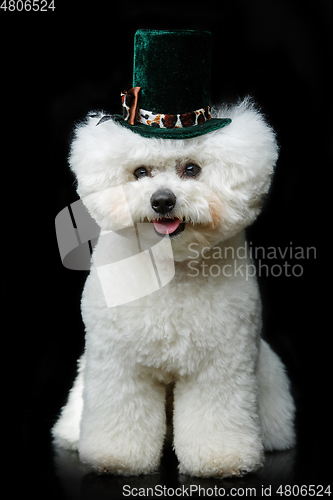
200,331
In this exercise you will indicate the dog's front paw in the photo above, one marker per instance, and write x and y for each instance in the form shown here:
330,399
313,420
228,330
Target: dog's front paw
126,461
220,467
211,462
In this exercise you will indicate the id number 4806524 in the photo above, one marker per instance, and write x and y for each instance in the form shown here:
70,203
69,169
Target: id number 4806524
27,5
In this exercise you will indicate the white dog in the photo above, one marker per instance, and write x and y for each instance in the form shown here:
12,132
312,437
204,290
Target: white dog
201,331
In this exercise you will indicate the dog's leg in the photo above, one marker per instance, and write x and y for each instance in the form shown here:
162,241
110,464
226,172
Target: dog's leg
123,422
276,406
216,423
66,431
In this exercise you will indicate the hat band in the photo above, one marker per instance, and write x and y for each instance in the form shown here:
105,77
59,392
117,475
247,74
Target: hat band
161,120
133,114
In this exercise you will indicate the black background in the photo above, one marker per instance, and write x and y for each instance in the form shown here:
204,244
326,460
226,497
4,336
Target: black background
59,65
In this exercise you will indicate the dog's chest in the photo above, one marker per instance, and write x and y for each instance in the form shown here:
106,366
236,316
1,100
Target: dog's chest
173,329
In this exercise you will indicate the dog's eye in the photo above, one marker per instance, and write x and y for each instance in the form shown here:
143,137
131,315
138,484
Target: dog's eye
191,170
140,172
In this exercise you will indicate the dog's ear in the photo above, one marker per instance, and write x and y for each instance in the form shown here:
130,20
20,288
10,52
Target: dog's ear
249,143
98,151
243,156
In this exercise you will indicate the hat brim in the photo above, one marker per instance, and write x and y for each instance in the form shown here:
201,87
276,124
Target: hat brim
174,133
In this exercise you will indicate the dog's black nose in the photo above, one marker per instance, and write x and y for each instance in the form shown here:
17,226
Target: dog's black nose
163,201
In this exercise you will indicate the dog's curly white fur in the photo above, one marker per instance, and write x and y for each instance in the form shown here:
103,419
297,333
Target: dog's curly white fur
231,396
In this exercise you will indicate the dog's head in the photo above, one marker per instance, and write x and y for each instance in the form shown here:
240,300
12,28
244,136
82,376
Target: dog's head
203,190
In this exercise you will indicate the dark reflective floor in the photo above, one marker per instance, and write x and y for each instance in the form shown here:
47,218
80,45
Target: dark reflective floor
77,482
54,473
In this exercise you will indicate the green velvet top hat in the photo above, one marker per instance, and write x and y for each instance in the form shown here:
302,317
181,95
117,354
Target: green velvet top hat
170,94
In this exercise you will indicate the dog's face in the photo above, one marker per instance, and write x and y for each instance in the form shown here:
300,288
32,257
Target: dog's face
203,190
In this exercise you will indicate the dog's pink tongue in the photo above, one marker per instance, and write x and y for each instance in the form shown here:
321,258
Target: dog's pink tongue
166,226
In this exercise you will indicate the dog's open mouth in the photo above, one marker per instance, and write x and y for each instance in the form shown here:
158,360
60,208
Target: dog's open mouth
172,227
